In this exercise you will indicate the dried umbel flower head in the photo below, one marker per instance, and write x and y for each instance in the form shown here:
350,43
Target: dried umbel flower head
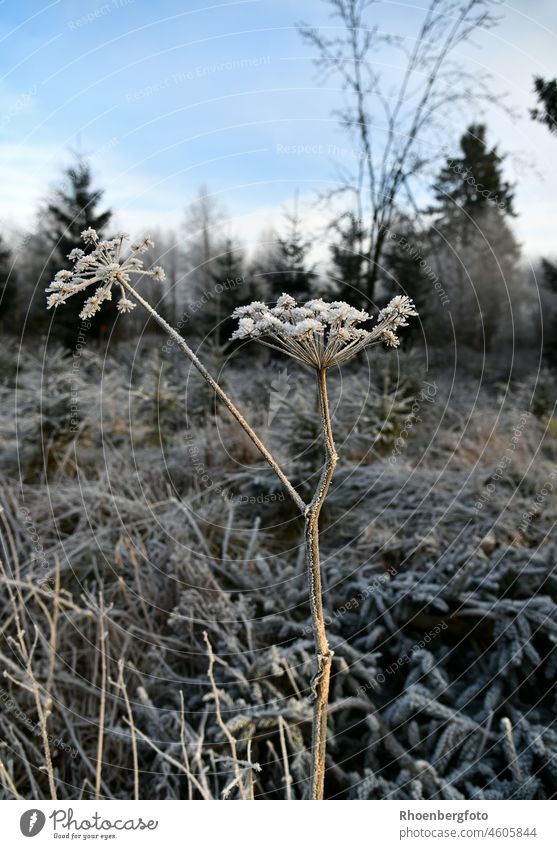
320,334
105,266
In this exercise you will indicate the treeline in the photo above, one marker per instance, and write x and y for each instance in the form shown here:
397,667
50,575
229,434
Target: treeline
457,257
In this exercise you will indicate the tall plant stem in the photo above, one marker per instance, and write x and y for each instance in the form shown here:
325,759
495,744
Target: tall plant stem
320,681
221,394
311,511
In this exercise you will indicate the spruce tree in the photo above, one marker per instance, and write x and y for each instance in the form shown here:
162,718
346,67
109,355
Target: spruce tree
230,289
549,270
408,270
473,245
8,284
72,209
473,181
546,91
348,261
288,270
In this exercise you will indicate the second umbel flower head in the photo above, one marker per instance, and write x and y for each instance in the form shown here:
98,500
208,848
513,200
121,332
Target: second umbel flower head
321,334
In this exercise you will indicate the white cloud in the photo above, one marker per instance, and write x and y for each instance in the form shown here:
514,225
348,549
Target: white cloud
25,173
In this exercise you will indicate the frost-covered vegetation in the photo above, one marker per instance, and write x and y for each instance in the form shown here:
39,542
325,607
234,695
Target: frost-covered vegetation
439,580
157,638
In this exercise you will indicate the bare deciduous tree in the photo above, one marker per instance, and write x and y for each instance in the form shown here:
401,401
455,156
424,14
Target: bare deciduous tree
400,126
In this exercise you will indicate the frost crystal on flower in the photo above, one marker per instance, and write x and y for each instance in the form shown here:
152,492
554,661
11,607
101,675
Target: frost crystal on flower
158,273
143,246
125,305
104,265
320,334
89,236
390,338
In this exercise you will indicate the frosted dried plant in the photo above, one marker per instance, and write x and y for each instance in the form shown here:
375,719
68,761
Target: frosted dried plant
316,334
320,334
105,265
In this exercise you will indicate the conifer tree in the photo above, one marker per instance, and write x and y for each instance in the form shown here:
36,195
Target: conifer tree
74,207
348,260
471,242
408,271
473,181
546,91
549,270
8,284
230,289
288,270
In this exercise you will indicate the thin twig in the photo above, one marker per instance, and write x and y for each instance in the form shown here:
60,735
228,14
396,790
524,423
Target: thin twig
238,780
135,760
287,775
53,621
8,781
184,745
102,706
173,762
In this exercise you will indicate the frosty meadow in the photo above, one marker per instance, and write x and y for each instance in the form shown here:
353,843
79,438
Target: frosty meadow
318,335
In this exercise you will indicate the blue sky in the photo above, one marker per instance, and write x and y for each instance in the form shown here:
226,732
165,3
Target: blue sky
166,96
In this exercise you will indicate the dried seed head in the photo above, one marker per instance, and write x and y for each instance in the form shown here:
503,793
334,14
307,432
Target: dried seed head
320,334
103,265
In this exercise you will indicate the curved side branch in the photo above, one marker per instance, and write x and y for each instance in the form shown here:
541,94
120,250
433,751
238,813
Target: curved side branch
320,681
221,394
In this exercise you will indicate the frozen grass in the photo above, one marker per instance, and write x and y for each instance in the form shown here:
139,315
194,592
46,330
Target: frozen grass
441,612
